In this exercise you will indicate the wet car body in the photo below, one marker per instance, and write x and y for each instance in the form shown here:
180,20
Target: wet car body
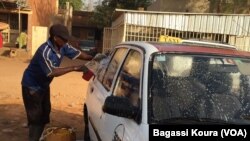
151,83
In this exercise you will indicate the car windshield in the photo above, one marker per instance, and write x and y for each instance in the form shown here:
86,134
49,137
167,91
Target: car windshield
199,89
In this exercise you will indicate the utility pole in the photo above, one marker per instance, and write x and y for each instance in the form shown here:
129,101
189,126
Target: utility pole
68,17
20,4
19,16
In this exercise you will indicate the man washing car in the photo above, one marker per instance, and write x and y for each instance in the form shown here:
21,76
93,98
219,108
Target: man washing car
37,77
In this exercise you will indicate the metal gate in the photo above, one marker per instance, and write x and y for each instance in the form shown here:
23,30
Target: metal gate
107,39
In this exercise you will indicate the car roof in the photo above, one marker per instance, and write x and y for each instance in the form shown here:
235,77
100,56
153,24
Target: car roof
183,48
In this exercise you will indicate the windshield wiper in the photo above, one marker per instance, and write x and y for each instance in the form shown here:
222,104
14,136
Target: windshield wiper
182,120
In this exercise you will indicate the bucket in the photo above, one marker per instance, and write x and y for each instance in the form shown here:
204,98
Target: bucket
87,75
59,134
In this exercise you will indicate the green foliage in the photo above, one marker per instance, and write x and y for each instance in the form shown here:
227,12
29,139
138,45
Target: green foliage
229,6
77,4
102,16
103,13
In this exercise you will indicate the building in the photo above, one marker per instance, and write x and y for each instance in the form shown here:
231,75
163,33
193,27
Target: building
82,28
37,15
29,14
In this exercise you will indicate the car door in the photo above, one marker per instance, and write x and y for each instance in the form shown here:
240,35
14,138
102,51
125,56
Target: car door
127,85
99,88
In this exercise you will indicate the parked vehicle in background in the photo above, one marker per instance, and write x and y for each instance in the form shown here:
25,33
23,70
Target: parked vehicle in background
88,46
152,83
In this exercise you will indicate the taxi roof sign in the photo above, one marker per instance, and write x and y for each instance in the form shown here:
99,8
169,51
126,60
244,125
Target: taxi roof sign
176,40
169,39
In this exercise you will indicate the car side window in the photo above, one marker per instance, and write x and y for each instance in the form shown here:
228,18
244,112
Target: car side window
113,67
128,82
102,68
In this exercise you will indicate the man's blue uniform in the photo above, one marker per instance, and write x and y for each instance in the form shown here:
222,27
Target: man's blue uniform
36,81
45,59
45,65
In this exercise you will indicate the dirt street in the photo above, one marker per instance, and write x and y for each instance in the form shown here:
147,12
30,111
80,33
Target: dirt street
67,98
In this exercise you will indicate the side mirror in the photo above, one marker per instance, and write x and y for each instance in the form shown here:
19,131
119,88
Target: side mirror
122,107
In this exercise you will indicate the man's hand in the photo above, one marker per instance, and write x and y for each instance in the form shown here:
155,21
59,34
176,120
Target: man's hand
98,57
80,68
61,71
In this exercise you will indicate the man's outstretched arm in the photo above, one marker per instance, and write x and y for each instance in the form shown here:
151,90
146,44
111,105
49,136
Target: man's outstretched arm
61,71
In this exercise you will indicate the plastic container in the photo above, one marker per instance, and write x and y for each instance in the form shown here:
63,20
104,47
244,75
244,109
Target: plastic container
87,74
59,134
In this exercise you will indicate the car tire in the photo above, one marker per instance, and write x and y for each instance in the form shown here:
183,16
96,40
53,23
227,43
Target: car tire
86,124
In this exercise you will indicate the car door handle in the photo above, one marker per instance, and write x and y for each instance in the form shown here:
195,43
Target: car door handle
101,116
91,90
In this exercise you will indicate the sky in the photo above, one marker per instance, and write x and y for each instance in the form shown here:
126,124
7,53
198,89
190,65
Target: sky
86,4
94,1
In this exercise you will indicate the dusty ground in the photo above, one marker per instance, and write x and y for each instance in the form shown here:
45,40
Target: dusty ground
67,98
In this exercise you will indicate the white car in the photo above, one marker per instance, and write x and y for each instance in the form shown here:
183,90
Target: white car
163,83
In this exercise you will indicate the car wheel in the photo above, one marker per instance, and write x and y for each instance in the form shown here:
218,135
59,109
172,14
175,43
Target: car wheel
86,124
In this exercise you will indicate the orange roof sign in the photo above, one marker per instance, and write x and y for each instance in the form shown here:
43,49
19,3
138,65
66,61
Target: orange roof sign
169,39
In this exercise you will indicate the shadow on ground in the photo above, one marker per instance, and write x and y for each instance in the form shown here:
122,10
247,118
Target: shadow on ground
5,53
13,119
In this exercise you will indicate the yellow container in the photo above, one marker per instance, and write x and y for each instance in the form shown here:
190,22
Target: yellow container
59,134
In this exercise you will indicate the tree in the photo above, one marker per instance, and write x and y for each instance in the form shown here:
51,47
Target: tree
229,6
77,4
104,12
